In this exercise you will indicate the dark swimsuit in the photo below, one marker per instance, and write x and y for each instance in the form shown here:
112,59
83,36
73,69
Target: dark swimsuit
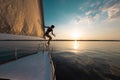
48,31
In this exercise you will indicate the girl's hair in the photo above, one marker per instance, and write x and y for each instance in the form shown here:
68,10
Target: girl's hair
52,26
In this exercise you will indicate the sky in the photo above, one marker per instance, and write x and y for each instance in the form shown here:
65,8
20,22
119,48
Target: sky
83,19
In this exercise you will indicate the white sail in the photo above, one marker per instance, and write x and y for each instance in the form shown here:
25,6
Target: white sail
21,17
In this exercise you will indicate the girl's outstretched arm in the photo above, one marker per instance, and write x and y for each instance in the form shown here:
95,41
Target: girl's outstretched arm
46,26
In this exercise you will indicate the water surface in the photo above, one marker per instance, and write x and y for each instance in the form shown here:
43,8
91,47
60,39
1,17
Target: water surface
73,60
9,49
79,60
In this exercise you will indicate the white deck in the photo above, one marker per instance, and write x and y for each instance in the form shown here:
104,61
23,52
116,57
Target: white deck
34,67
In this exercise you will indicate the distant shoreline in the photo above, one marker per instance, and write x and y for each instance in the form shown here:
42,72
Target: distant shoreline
62,40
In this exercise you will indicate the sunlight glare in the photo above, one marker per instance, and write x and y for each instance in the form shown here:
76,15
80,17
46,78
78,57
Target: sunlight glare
75,35
75,45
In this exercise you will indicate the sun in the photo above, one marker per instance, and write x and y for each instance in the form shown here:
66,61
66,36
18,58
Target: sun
75,35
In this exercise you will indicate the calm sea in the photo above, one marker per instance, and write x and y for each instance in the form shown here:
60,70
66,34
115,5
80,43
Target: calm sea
73,60
76,60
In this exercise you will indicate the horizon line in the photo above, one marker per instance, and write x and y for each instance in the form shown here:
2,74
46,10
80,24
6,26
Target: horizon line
58,40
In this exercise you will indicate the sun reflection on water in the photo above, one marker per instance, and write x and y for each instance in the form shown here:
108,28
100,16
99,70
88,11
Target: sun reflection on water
75,45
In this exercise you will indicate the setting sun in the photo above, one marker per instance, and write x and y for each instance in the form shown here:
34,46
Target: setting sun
75,35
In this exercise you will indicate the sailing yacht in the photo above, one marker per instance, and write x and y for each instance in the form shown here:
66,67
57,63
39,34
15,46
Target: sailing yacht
25,17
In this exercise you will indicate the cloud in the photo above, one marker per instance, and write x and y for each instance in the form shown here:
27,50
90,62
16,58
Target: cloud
114,12
107,10
81,8
84,21
96,17
112,8
99,12
95,4
88,12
